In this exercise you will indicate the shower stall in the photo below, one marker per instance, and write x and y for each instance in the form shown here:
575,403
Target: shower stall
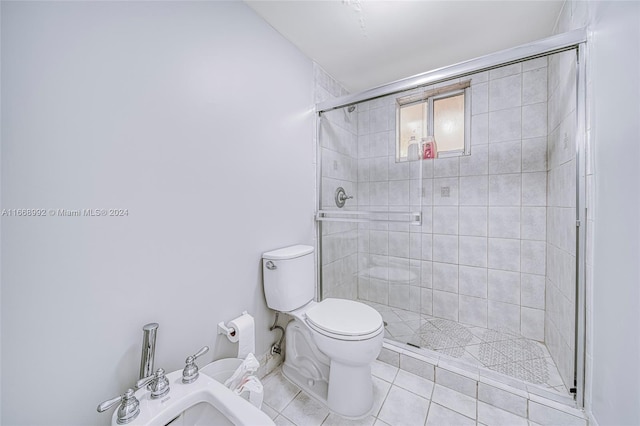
475,254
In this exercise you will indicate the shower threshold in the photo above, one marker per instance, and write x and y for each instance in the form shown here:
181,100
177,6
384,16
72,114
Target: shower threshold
502,351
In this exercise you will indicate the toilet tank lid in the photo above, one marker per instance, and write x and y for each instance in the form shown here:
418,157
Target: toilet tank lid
288,252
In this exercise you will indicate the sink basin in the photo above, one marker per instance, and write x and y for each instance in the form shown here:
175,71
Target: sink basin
203,402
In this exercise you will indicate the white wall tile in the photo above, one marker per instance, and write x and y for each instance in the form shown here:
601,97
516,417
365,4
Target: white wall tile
505,125
445,248
426,301
472,251
534,120
445,305
445,220
379,193
504,254
379,242
399,193
532,323
445,277
398,244
534,86
477,162
534,189
534,155
504,316
505,92
426,271
505,190
473,221
473,281
473,191
427,247
445,191
504,222
473,310
479,98
505,157
533,64
533,257
479,130
399,170
504,286
505,71
533,223
446,167
531,290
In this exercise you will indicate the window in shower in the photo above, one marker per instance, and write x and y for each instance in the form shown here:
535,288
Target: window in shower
441,115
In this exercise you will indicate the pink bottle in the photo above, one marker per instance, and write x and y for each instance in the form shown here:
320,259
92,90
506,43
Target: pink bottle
429,148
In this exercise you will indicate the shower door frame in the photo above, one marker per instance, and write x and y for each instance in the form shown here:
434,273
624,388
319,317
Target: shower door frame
572,40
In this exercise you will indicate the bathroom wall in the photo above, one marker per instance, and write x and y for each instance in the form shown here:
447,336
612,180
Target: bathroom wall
479,256
613,207
560,289
339,159
197,118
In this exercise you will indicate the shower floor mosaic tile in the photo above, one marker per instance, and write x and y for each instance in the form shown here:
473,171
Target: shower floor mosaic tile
500,350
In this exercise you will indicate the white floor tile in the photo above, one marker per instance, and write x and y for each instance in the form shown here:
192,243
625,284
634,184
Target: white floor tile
283,421
305,411
455,401
493,416
278,391
380,392
416,384
441,416
404,408
384,371
269,411
335,420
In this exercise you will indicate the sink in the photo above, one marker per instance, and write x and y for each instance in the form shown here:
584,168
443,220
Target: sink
203,402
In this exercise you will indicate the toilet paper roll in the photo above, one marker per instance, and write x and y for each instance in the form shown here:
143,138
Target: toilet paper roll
245,334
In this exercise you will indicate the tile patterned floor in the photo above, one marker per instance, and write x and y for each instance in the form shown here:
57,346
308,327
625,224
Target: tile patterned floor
400,398
499,350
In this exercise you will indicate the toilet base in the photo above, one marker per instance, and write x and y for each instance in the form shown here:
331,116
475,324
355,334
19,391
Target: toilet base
345,390
350,390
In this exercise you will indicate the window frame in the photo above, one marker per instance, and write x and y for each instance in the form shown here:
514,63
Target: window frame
428,97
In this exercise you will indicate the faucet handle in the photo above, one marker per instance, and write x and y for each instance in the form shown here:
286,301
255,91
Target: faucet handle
158,384
128,410
190,372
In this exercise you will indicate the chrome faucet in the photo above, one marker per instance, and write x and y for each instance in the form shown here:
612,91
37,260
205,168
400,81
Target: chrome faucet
190,372
158,384
129,407
148,349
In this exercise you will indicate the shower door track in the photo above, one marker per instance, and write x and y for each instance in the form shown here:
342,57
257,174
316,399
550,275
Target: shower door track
544,47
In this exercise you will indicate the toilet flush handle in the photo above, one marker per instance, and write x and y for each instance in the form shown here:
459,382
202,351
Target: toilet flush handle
270,265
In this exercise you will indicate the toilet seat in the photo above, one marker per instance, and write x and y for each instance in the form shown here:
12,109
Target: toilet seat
344,319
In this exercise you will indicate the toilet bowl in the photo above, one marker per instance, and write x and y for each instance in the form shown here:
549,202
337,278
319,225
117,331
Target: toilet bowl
331,344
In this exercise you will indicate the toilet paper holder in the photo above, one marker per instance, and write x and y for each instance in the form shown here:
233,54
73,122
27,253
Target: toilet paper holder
230,332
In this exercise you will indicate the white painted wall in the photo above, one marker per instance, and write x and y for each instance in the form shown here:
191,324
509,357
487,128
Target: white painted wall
615,129
613,207
197,118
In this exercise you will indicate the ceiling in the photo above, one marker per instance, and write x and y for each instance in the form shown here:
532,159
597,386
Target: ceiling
364,44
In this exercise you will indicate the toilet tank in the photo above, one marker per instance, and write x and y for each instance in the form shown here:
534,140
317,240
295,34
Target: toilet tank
288,277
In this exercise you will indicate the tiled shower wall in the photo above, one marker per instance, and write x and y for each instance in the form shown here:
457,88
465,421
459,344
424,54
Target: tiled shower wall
479,256
561,215
338,151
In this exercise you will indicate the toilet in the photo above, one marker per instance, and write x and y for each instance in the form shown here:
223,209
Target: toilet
331,344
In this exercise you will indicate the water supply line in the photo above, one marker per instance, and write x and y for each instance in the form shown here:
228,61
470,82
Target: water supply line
277,347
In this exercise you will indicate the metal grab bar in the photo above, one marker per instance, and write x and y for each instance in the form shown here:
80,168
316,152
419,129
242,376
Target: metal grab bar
412,218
